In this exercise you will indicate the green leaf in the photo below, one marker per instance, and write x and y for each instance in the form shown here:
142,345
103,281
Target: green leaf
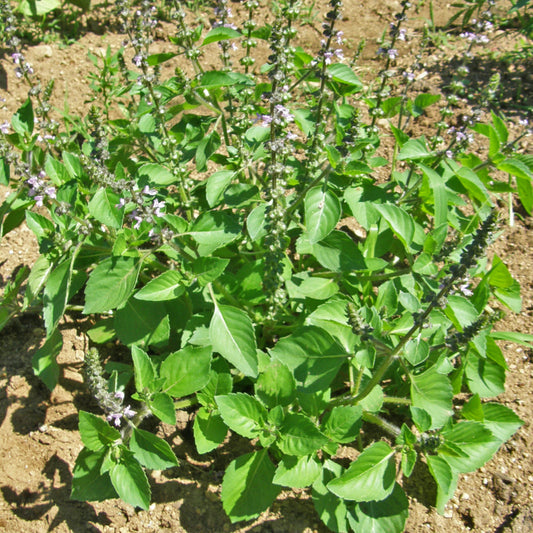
298,435
4,172
209,144
162,406
232,336
214,229
255,223
36,280
186,371
338,252
370,477
44,361
525,193
242,413
217,183
141,322
476,443
297,472
525,339
344,74
23,120
312,355
247,487
220,33
209,430
61,284
322,211
386,516
331,510
501,421
414,150
88,483
218,78
474,186
156,173
130,482
445,478
158,59
111,284
208,269
275,385
37,8
400,222
102,208
433,392
95,432
343,423
151,451
515,167
167,286
144,370
484,376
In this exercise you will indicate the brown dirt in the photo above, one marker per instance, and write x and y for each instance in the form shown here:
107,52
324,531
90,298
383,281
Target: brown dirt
38,432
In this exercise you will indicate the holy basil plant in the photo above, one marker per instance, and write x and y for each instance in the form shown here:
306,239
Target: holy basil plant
276,250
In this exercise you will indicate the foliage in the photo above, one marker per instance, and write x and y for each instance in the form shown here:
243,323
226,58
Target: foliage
241,232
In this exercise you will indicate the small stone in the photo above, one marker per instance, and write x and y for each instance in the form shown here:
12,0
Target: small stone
465,496
448,513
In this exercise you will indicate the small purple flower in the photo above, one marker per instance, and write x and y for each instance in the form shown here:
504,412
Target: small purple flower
137,60
121,203
338,37
392,53
129,412
120,395
158,205
115,418
409,76
4,127
148,191
465,289
17,58
264,120
38,200
50,192
281,112
449,154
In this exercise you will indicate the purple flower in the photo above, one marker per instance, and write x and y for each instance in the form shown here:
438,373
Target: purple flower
148,191
4,127
264,120
50,192
158,205
129,412
115,418
392,53
120,395
17,58
121,203
137,60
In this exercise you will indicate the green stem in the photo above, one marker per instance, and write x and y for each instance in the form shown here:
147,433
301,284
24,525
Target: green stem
382,423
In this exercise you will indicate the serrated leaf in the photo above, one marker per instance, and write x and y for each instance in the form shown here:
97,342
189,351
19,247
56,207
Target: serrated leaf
297,472
414,150
476,442
130,482
322,211
162,406
88,483
331,509
232,336
44,362
167,286
95,432
386,516
484,376
344,74
151,451
214,229
275,385
111,284
501,421
209,430
298,435
23,120
217,183
142,322
102,208
445,478
399,221
144,369
247,488
186,371
370,477
312,355
433,393
343,423
156,173
242,413
220,33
